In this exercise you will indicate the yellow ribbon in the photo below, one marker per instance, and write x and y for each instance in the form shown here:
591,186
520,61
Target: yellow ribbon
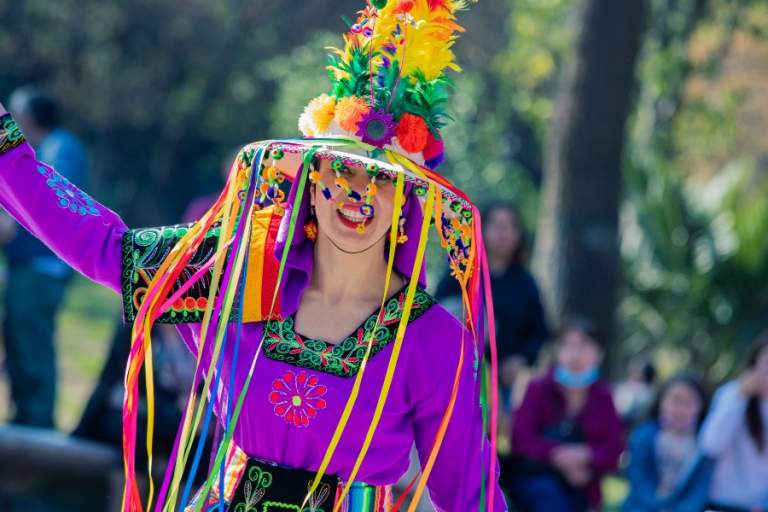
397,346
398,205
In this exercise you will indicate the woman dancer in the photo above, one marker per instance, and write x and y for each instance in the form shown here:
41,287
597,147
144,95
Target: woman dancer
323,357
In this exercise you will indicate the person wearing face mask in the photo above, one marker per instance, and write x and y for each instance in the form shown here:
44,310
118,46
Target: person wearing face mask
667,471
735,434
566,433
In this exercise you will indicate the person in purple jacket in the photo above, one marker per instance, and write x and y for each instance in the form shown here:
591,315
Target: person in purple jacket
566,433
349,317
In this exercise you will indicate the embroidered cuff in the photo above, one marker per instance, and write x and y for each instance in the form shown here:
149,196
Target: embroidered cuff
144,251
10,134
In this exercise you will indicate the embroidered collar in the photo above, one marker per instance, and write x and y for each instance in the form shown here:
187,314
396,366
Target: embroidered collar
283,343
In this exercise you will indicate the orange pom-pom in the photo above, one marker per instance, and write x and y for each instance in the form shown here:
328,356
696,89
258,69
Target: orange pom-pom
412,132
349,111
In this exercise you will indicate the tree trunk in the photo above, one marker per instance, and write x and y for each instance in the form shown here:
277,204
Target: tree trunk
577,252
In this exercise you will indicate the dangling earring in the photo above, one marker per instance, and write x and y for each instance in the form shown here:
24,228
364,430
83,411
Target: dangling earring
366,209
402,238
272,178
310,228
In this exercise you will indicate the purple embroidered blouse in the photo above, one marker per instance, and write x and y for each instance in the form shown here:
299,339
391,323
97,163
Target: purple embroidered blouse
290,411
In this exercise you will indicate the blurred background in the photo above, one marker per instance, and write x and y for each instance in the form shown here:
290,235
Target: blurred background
630,137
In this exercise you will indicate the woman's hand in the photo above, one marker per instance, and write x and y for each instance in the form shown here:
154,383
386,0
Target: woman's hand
571,457
573,462
754,383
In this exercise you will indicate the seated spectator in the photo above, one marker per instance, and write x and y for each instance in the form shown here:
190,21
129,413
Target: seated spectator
735,434
566,434
667,470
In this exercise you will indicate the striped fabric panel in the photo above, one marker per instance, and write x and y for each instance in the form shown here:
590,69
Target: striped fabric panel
366,498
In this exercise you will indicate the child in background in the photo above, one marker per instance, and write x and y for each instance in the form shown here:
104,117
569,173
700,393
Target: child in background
667,470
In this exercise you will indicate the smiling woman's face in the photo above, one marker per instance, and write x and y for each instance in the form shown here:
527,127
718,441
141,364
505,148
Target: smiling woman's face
339,217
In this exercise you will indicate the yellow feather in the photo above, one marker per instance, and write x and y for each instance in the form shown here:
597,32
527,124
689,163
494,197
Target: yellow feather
428,36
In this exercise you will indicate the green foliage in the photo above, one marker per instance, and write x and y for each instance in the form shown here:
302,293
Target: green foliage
541,33
298,77
692,253
695,256
480,156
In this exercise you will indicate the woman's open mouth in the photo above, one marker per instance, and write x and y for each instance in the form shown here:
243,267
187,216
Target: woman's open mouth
351,217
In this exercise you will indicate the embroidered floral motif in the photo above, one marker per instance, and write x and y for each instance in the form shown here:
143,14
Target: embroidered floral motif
254,489
297,398
10,134
283,343
70,197
143,252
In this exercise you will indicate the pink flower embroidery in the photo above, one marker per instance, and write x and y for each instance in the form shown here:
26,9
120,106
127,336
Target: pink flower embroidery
297,398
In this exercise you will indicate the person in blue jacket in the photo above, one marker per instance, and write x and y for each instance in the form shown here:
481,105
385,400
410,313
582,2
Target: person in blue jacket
667,470
37,278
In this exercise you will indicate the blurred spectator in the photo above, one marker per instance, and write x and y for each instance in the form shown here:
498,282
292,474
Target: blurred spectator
634,396
566,434
735,433
174,369
520,329
667,470
37,279
197,208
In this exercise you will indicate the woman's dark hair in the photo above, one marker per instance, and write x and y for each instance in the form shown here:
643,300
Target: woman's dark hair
39,105
520,256
753,415
692,382
581,324
649,372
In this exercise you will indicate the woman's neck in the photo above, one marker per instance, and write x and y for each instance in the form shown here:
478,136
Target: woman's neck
574,399
499,264
339,276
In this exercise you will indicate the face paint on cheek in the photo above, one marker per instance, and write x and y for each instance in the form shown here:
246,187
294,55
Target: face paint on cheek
316,179
353,209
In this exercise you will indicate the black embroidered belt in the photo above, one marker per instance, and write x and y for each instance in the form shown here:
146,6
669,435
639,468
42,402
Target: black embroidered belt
253,485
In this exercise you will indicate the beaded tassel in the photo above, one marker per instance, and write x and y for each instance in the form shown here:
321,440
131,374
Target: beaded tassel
271,180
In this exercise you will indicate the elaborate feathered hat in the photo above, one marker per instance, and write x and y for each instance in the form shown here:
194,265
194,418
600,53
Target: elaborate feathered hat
389,88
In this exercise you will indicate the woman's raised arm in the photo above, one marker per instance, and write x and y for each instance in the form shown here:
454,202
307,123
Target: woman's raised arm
79,230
